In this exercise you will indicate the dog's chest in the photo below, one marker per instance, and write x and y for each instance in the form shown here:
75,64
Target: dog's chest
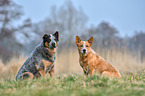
89,60
84,62
46,63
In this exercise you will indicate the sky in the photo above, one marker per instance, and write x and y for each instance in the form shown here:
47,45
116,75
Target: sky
127,16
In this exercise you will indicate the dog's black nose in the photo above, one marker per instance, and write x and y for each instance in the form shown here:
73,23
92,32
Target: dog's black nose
53,44
84,50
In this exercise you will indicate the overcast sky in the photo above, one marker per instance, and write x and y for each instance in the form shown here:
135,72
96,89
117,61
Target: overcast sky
126,15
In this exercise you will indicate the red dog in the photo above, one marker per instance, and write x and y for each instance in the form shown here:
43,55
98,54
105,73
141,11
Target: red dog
91,62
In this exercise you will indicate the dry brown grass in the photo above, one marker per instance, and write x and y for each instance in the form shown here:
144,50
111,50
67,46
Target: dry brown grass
68,62
9,70
125,61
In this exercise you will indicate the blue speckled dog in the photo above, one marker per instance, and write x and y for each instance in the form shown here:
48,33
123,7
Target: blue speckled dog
41,60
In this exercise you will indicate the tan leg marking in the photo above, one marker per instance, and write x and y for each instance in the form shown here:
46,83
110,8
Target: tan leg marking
30,74
52,72
46,64
41,71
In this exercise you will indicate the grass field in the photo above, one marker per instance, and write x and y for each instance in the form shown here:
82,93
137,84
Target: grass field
75,85
70,81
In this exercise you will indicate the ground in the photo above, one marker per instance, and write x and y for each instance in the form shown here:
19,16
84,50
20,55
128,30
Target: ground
131,84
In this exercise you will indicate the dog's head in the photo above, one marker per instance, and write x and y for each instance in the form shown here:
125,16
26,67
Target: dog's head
83,46
51,40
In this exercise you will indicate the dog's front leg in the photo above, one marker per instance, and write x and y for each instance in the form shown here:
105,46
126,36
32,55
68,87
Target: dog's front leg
86,73
51,72
92,70
41,71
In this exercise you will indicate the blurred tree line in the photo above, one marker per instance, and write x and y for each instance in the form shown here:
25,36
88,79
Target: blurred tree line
69,21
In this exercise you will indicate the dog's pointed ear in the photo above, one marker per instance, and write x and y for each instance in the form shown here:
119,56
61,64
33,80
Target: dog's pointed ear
78,40
45,36
90,41
56,34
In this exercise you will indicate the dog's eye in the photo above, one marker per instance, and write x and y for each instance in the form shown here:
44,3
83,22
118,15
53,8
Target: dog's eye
81,46
87,46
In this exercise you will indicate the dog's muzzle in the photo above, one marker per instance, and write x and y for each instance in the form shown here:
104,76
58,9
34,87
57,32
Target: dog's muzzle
84,51
53,45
